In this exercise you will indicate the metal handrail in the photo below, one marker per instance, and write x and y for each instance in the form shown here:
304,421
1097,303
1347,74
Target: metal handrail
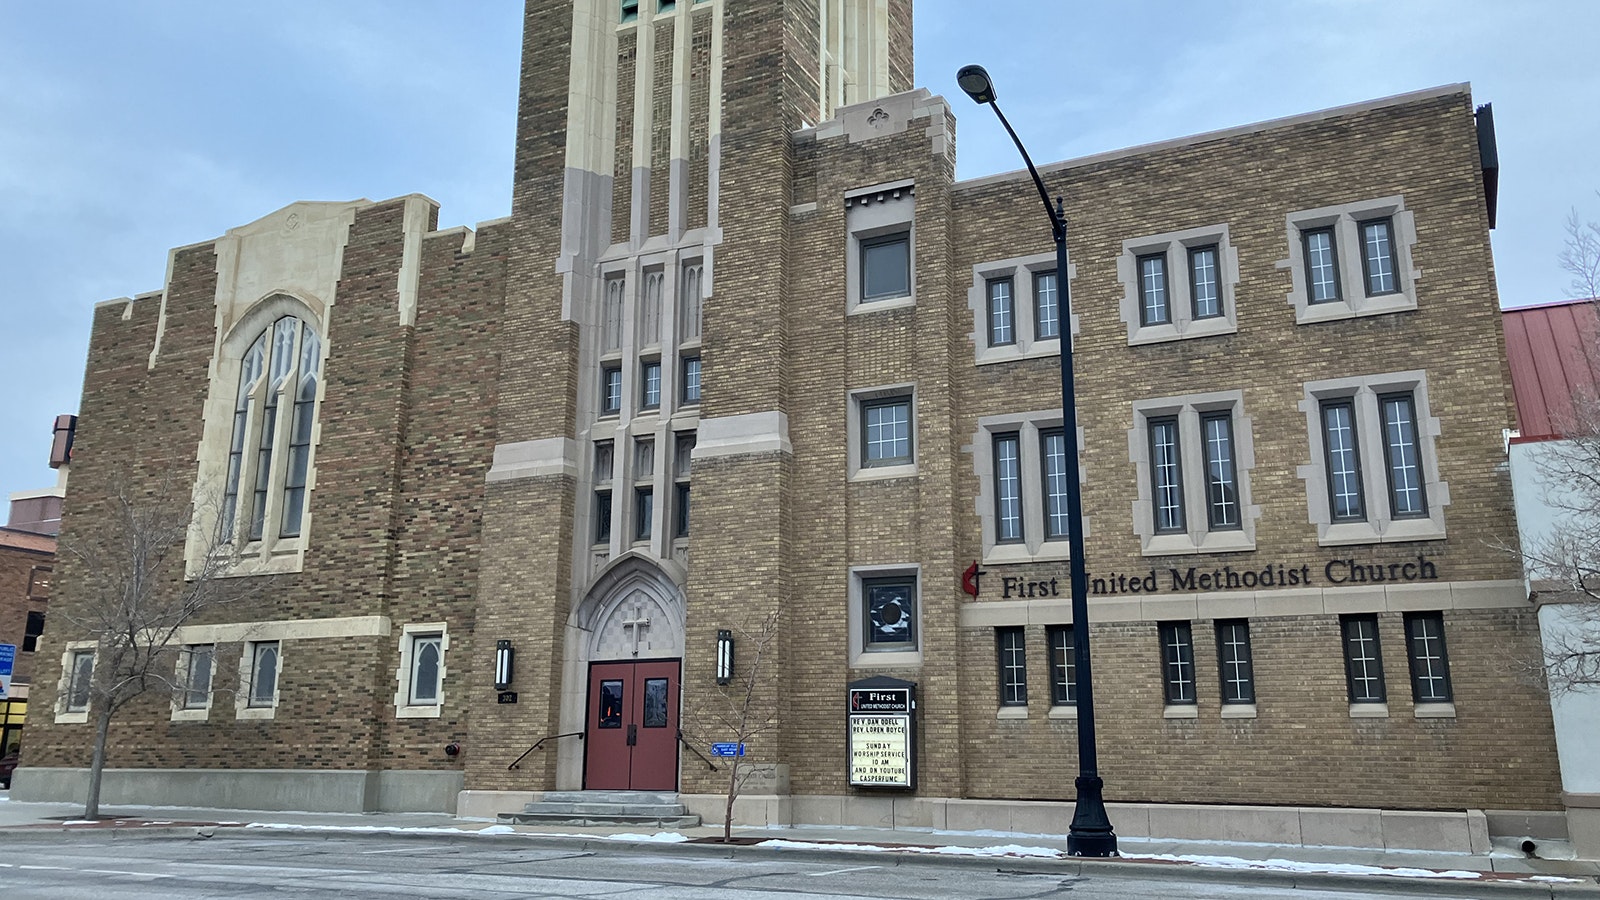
540,743
709,764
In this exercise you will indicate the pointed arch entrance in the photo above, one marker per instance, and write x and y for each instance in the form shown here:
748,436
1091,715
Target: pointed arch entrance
633,625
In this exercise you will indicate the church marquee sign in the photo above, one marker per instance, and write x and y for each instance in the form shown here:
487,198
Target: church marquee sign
882,733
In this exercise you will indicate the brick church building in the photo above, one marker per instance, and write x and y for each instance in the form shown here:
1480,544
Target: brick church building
744,346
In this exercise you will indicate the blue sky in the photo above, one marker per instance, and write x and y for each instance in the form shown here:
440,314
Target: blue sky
128,129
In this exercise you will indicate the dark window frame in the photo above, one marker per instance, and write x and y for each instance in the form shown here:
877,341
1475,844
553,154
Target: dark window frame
870,243
684,380
1014,438
1212,500
32,631
1387,222
1166,289
1333,252
1040,333
1366,626
1010,301
647,366
911,431
1413,657
1176,639
1063,664
603,516
1011,661
643,513
1216,285
1416,450
1360,514
889,582
1051,533
1151,425
610,406
1246,695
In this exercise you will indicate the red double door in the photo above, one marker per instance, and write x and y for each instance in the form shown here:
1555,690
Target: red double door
631,736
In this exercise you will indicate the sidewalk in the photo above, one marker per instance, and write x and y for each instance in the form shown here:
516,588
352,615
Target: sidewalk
1505,872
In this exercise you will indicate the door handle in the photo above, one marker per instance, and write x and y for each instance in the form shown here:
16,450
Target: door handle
633,734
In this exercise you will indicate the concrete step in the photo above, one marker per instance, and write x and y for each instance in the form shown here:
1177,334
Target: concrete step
659,808
526,818
625,797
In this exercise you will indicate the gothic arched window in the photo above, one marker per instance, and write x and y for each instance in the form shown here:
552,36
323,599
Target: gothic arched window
274,411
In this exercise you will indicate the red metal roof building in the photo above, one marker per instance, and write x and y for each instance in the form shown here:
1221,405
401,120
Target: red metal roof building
1554,359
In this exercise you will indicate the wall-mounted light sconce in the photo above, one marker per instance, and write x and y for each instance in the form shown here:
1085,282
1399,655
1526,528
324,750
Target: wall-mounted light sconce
724,656
502,665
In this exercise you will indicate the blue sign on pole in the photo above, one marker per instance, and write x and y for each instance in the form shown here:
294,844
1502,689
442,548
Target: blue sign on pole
8,660
727,749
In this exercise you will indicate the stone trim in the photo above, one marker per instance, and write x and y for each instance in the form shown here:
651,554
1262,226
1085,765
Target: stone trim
860,656
1198,535
762,432
1446,595
64,685
1353,299
1022,271
542,458
402,708
285,630
1174,248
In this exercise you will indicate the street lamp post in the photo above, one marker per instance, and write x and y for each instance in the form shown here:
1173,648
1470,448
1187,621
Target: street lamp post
1091,833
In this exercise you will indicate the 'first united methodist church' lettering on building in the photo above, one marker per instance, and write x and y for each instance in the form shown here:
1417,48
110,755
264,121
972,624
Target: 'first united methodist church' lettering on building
1335,572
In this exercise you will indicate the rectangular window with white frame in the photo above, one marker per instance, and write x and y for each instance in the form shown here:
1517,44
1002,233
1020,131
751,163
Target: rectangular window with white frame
1179,285
1234,662
1351,260
1177,663
1375,475
1021,460
1193,455
1430,664
422,673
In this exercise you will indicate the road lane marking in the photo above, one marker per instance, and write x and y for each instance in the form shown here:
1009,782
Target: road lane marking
842,871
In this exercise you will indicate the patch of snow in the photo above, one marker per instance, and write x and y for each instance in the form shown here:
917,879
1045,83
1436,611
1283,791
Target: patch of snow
660,837
1555,879
386,829
497,829
81,822
1000,850
1290,865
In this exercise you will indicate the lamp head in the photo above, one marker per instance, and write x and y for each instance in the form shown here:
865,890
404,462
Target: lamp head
975,81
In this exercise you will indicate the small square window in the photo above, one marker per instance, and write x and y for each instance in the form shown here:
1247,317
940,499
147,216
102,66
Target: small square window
1063,665
1177,658
1363,659
886,267
610,390
650,385
1002,313
427,667
1153,306
886,431
196,661
1234,664
1011,648
691,380
891,605
1430,664
263,683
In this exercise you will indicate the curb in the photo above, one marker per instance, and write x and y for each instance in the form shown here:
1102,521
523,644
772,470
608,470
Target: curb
1488,886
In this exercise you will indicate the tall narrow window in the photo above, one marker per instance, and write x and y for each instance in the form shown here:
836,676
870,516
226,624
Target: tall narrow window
610,390
683,455
427,663
263,674
650,384
1053,447
1063,665
1203,282
1377,256
1406,497
1153,306
691,380
1362,658
1002,313
611,328
1165,475
1177,657
196,661
1234,662
1007,487
277,397
1344,467
1222,489
644,510
33,630
1046,307
650,311
1430,665
1322,265
604,472
81,686
689,303
1011,647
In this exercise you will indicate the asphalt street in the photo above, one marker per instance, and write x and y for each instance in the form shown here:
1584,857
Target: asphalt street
50,865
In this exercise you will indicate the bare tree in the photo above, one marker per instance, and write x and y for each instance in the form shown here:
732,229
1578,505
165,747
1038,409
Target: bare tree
130,593
746,710
1581,256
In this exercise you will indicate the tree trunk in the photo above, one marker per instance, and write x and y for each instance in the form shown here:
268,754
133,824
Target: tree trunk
97,764
733,791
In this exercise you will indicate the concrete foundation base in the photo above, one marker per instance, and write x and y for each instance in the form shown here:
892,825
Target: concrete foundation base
280,789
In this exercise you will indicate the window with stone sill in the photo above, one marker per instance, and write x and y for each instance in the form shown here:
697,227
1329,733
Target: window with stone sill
195,665
1179,285
1193,456
885,612
1011,648
420,677
1177,663
1351,260
259,666
1373,473
75,690
1021,461
880,251
1016,309
882,433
